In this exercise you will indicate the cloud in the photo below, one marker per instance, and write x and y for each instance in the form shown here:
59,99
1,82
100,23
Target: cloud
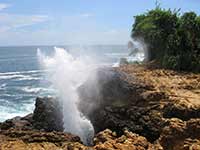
111,32
87,15
15,21
59,36
3,6
60,30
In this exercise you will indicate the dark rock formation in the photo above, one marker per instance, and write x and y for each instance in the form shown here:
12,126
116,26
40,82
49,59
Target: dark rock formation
118,102
103,90
108,88
20,123
183,111
48,114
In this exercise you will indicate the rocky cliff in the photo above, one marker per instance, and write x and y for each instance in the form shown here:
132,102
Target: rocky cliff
132,107
161,105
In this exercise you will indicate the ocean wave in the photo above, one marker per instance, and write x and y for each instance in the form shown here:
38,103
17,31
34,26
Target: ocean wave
22,75
21,72
114,55
17,59
2,86
4,102
139,57
34,89
7,95
19,77
10,112
28,78
13,76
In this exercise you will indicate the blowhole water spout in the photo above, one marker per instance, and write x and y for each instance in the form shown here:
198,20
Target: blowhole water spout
66,74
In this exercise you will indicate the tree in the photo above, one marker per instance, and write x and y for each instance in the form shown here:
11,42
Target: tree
173,40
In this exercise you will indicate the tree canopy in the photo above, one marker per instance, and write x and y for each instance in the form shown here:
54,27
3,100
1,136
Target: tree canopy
173,40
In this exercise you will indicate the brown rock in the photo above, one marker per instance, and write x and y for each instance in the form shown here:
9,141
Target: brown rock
107,140
20,123
13,139
177,135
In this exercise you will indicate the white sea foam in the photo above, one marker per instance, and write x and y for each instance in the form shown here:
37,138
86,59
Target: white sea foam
21,72
116,55
11,76
30,89
17,76
139,57
10,112
28,78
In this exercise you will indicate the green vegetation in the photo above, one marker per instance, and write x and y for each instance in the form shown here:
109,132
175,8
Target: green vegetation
173,40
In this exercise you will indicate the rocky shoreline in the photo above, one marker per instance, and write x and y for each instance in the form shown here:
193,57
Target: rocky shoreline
135,107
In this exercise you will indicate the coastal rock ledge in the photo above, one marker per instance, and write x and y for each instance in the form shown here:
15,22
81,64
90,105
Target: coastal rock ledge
160,105
38,131
134,107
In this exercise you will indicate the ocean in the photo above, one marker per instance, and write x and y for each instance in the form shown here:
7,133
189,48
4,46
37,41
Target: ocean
22,79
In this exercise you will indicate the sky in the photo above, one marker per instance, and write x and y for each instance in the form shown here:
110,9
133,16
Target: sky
66,22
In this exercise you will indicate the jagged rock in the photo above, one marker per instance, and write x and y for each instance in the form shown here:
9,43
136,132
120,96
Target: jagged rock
142,101
20,123
103,90
190,144
143,121
183,111
181,135
48,114
121,102
14,139
104,136
107,140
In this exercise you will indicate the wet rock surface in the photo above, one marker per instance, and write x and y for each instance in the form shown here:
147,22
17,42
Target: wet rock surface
48,114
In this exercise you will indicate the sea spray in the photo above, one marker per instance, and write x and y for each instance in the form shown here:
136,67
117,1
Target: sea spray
66,74
137,52
139,43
